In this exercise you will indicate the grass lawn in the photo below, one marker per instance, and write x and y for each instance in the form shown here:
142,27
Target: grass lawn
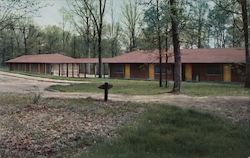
58,127
67,127
132,87
139,87
42,75
4,68
173,132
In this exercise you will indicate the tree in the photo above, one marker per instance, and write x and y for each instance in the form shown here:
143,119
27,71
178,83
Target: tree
230,8
235,37
156,19
14,10
159,41
29,35
131,20
218,20
195,29
52,37
244,6
82,21
176,44
98,21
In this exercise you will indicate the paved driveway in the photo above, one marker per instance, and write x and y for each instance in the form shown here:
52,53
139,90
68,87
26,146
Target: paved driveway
17,83
237,108
11,84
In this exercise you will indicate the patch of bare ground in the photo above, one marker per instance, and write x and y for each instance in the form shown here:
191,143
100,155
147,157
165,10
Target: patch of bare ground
236,108
59,127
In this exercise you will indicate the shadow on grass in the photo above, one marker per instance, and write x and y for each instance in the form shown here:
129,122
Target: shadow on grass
174,132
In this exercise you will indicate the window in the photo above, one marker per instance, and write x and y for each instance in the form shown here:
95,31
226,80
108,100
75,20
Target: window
157,68
119,68
214,69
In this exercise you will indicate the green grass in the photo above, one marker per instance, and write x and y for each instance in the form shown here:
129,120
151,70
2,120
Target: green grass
152,88
169,132
119,87
42,75
139,87
158,132
4,68
80,124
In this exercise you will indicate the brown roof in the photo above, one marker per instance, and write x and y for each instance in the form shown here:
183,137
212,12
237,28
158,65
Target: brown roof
91,60
43,58
218,55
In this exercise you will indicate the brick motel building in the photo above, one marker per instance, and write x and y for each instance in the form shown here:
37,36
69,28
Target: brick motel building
219,65
51,64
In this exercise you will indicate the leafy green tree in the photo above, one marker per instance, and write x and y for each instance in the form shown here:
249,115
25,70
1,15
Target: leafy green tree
218,22
131,21
98,19
195,30
176,44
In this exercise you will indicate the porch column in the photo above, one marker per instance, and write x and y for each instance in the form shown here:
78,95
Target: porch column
104,71
188,72
25,67
73,69
227,73
95,70
59,69
85,70
39,68
151,71
78,65
127,71
62,70
45,69
30,67
67,70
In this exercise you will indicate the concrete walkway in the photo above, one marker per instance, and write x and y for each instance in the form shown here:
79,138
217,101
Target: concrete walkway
40,78
234,107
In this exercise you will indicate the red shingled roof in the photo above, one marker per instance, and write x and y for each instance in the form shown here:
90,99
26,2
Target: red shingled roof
220,55
91,60
43,58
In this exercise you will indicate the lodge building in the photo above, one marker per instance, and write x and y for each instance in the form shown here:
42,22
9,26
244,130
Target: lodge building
51,64
219,65
223,65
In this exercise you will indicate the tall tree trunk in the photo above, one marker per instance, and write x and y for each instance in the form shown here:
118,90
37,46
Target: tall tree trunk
3,55
25,41
74,47
100,39
130,44
245,27
99,27
159,41
88,41
166,42
176,43
100,54
133,41
199,34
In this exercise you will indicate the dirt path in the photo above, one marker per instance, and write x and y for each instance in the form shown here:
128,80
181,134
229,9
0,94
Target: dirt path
13,75
16,83
237,108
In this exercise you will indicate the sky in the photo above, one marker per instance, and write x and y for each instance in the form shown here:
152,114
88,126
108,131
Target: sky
51,15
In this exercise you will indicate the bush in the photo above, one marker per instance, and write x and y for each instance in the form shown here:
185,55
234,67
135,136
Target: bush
36,98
